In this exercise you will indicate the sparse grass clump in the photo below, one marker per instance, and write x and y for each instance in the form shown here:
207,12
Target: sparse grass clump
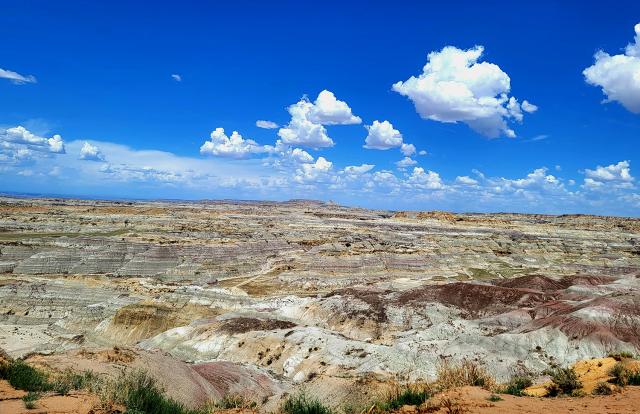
564,382
494,398
140,393
231,401
407,395
30,400
466,373
303,404
602,388
619,356
517,384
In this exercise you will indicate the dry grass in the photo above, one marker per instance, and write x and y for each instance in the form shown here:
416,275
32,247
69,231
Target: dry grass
463,374
229,402
451,406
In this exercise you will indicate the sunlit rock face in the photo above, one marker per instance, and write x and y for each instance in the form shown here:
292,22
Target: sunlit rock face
265,298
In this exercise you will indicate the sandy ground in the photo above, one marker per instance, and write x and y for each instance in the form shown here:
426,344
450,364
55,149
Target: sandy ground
468,400
74,403
473,400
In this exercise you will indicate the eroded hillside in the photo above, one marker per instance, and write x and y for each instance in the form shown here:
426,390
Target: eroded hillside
265,298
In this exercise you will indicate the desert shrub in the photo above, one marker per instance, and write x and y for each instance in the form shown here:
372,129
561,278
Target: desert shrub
553,390
602,388
620,374
30,400
409,395
623,376
466,373
140,393
494,398
303,404
517,384
564,381
451,406
25,377
634,378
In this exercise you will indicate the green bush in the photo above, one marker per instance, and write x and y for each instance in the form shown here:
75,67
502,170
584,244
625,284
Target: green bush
634,378
619,374
140,393
404,396
24,377
494,398
30,400
31,396
623,376
517,384
565,381
302,404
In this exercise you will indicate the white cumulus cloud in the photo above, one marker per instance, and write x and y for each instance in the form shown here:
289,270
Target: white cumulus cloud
537,178
328,110
618,75
233,146
382,136
422,179
406,162
313,171
301,131
455,87
617,176
90,152
407,149
299,155
18,143
306,127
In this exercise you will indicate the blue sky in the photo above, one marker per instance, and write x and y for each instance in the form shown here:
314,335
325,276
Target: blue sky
99,74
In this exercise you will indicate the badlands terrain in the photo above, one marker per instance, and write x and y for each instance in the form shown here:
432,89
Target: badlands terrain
267,299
